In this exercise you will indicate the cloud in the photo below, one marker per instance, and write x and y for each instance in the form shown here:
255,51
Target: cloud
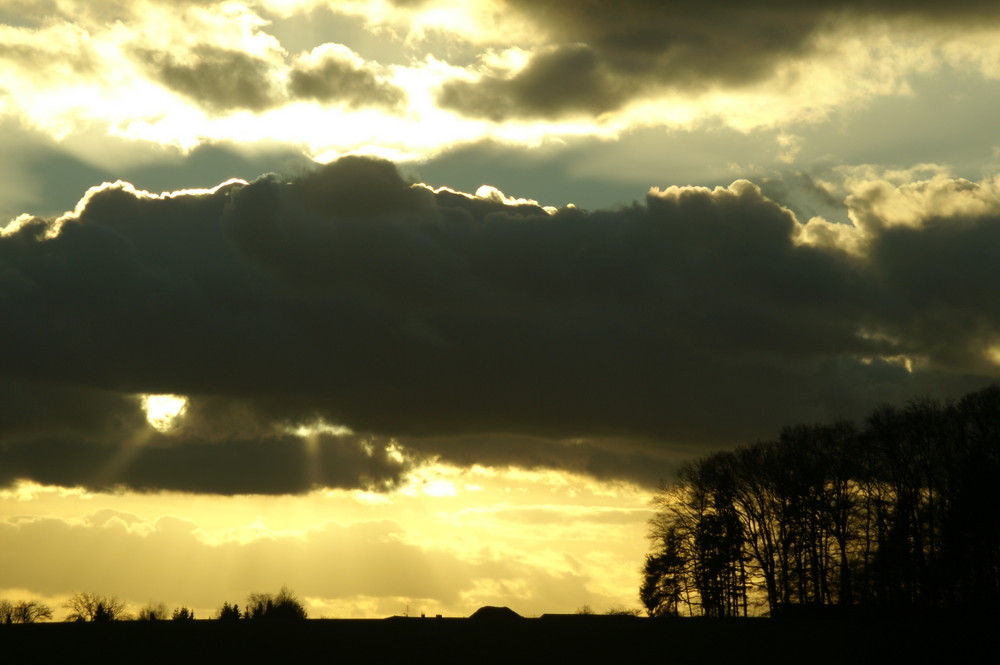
45,59
599,57
645,462
333,73
558,80
608,341
198,72
73,59
217,79
264,465
222,80
102,440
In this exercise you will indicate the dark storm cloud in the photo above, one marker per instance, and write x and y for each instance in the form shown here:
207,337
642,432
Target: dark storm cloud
100,439
603,54
944,280
216,78
465,327
62,410
276,465
331,77
643,461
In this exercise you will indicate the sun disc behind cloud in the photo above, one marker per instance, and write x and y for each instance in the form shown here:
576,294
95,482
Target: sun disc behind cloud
164,412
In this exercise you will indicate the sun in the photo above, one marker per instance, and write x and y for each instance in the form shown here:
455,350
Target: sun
164,412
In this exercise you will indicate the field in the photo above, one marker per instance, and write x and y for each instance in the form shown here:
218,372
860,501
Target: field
575,639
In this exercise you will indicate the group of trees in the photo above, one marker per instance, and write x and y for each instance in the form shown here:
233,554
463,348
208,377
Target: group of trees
281,606
95,607
900,513
92,607
158,612
24,611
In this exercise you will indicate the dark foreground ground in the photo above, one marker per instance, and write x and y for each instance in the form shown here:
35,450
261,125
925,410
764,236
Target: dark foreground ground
568,640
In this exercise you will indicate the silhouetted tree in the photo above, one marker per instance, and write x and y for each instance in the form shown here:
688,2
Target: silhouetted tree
970,533
94,607
24,611
229,612
6,611
283,606
665,575
716,536
152,612
899,513
182,614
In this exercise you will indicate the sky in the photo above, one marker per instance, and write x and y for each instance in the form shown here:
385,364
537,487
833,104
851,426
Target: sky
412,305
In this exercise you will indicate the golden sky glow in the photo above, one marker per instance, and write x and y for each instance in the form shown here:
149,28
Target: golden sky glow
448,541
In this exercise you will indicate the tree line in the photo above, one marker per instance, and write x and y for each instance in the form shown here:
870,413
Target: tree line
98,608
901,513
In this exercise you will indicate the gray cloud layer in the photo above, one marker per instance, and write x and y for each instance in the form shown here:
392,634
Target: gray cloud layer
465,327
602,54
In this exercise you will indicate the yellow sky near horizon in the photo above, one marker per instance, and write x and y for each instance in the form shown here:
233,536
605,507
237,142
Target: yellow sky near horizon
447,542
